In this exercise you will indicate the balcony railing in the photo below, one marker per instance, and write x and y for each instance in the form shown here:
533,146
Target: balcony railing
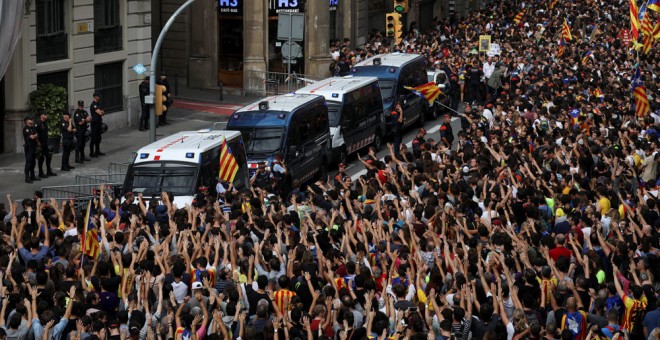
52,47
107,39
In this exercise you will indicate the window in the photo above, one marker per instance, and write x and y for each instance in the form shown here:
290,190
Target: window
108,80
51,34
56,78
107,26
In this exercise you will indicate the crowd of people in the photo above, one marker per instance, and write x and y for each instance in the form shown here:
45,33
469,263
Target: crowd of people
539,222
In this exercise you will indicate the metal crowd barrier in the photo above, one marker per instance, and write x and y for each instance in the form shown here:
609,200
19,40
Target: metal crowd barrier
274,83
98,179
78,192
118,168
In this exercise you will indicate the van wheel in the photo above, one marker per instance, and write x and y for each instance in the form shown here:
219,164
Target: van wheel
434,111
343,155
378,141
323,170
422,117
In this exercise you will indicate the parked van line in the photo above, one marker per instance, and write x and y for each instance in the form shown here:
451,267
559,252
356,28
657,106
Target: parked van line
355,113
395,72
293,125
183,162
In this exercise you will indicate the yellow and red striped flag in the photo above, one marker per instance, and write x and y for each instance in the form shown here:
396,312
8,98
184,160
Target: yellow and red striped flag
228,163
654,5
562,47
553,4
89,240
519,16
430,91
647,31
656,30
634,19
639,94
566,31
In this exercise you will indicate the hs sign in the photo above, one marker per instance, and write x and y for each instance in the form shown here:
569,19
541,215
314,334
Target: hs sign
229,3
334,2
287,3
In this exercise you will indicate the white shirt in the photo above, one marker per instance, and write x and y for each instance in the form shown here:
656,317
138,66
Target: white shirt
488,69
488,114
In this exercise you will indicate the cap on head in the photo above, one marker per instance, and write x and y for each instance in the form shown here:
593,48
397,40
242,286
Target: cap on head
196,285
81,103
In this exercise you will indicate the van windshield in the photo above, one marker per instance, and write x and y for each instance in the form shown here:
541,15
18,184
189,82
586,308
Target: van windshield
334,113
259,141
386,88
153,178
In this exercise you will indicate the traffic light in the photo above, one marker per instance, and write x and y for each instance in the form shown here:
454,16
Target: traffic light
159,101
393,26
401,6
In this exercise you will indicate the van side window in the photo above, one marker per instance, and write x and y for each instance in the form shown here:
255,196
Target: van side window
293,135
348,112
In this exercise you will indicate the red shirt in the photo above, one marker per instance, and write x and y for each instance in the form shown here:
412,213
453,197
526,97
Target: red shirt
560,251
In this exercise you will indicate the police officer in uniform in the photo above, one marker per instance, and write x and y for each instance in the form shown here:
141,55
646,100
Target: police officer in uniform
68,131
261,178
45,155
97,114
81,119
31,141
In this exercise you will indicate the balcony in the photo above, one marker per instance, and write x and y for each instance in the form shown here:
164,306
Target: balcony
52,47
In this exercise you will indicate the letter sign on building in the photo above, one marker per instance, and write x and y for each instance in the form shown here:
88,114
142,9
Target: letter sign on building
230,7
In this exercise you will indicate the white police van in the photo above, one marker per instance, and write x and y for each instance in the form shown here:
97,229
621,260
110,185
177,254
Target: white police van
182,163
355,113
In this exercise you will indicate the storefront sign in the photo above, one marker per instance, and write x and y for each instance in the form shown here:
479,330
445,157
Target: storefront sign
230,7
334,4
285,6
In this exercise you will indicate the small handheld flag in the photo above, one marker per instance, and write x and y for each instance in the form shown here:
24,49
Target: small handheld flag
430,91
639,95
519,16
228,164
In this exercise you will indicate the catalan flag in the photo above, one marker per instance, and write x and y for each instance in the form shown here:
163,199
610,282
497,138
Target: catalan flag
519,16
647,31
598,93
575,116
562,47
566,31
228,163
654,5
634,19
89,240
639,95
656,30
430,91
586,57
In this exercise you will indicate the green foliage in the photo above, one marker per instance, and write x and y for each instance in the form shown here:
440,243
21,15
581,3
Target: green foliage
53,100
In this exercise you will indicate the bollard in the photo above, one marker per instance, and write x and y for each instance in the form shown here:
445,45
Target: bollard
221,86
176,84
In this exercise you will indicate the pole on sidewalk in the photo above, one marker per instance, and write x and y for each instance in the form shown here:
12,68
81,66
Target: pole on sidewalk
154,58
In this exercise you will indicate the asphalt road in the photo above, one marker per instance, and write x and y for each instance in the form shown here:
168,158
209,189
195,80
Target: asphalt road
120,145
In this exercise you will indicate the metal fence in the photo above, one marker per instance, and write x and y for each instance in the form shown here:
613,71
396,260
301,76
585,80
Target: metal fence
274,83
98,179
118,168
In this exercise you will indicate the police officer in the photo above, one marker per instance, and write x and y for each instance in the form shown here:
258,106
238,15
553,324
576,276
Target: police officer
45,155
261,178
97,114
31,141
81,119
68,131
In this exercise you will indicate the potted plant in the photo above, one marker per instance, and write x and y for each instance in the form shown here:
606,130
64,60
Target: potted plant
53,100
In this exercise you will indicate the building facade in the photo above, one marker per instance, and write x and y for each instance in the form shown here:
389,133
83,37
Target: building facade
85,46
225,41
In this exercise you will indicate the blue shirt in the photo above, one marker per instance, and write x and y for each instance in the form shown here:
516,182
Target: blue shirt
652,320
27,255
56,334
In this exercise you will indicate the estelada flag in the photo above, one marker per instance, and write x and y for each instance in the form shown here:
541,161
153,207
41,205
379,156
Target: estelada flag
647,31
430,91
89,240
519,16
562,47
639,94
228,164
654,5
587,55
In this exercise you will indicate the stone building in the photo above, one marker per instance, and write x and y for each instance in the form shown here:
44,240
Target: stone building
226,40
84,46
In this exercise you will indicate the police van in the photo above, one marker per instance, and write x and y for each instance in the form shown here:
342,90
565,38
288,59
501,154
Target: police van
182,163
395,71
294,126
355,113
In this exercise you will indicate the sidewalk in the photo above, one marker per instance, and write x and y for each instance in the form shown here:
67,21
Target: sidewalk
230,95
197,109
